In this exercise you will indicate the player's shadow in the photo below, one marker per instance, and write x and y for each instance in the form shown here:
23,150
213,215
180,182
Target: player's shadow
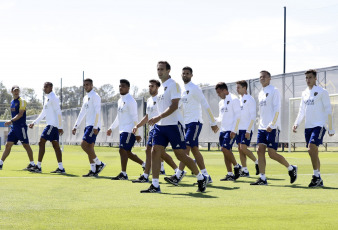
105,177
195,195
222,187
303,187
64,174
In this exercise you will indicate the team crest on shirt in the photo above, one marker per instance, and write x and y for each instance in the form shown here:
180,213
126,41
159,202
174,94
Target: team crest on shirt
154,103
228,102
244,101
88,98
16,104
124,103
266,95
165,88
316,93
187,91
47,100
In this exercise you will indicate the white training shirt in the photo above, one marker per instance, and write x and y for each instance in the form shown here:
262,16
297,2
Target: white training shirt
51,110
316,107
127,116
248,113
151,109
91,108
168,91
269,108
193,100
229,113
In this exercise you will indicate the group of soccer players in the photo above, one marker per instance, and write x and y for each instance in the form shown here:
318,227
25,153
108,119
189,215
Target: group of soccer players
175,117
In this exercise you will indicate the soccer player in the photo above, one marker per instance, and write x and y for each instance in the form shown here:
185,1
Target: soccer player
51,110
269,128
193,100
246,127
315,106
126,119
169,129
151,112
18,130
91,109
229,116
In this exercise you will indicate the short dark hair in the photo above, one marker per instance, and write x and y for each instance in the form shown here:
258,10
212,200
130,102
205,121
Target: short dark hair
157,82
221,85
125,81
89,80
243,83
267,72
187,68
49,84
313,71
167,66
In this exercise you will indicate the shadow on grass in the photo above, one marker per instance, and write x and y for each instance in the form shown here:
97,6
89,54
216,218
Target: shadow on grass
190,194
303,187
64,174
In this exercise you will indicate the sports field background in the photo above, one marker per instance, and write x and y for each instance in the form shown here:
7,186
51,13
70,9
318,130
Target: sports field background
47,201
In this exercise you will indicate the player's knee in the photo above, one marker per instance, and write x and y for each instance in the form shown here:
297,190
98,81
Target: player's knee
8,146
272,155
84,145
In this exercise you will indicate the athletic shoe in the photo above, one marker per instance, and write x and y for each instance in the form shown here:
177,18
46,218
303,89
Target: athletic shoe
90,174
58,170
141,179
172,180
120,177
316,182
257,169
260,182
244,174
1,167
209,179
29,167
237,171
162,172
182,175
293,174
202,184
99,168
35,169
152,189
228,178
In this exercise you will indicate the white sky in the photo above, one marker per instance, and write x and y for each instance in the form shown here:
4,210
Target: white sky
221,40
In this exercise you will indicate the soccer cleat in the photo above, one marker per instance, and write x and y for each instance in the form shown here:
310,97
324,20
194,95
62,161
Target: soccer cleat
89,174
260,182
182,175
141,179
228,178
172,180
120,177
152,189
209,179
35,169
1,167
257,169
58,170
293,174
202,184
237,171
162,172
29,167
99,168
316,182
244,174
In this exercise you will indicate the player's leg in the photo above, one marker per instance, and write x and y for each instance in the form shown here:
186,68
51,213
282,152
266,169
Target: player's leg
6,152
145,176
245,151
169,160
135,158
261,161
58,154
42,148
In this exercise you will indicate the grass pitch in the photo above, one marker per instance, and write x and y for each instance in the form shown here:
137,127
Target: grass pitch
47,201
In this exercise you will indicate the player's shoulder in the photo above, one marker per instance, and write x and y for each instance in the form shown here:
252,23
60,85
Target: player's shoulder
233,97
22,100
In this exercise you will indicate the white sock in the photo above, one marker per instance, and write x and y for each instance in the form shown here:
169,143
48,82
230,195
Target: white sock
245,169
145,175
200,176
124,173
178,173
316,173
204,172
156,182
32,163
162,166
143,165
60,165
230,174
1,162
237,166
39,164
97,161
262,176
93,167
176,170
290,167
256,162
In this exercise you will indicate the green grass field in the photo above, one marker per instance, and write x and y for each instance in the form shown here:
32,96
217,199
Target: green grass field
47,201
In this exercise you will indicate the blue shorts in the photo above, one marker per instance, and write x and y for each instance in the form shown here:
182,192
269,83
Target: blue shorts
127,141
240,138
192,132
271,139
150,138
314,135
89,135
50,133
225,141
163,134
18,133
